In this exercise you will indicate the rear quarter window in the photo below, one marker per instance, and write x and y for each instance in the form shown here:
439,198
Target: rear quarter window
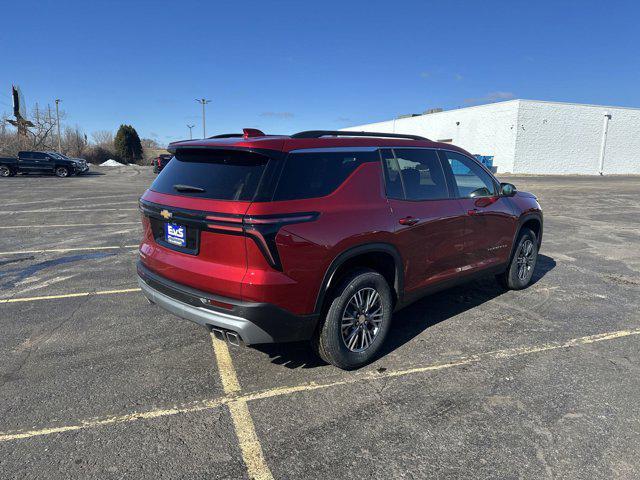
316,174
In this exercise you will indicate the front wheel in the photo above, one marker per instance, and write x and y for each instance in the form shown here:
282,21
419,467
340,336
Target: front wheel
5,171
357,320
523,262
62,172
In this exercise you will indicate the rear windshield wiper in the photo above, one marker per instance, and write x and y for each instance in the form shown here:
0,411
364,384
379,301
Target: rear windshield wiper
188,188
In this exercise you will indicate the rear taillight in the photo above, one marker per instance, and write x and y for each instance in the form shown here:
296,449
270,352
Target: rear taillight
262,229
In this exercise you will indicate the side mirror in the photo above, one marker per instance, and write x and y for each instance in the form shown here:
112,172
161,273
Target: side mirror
507,189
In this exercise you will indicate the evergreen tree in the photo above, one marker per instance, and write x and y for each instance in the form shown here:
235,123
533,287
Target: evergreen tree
127,144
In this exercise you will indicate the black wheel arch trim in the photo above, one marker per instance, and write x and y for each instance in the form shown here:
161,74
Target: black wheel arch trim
338,261
521,221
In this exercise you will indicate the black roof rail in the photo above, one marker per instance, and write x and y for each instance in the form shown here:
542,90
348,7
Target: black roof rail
345,133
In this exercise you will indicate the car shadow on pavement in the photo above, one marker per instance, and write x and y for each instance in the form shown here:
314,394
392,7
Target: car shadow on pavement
411,321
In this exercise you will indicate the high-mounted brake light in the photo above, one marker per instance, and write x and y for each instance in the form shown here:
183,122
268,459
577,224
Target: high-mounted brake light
252,132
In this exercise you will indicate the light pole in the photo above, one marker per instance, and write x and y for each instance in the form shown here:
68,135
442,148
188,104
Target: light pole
203,102
190,127
58,123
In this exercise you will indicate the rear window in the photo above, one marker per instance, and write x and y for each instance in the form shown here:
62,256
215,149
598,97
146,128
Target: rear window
219,174
316,174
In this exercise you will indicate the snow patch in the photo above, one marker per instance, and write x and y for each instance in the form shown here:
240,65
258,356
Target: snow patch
112,163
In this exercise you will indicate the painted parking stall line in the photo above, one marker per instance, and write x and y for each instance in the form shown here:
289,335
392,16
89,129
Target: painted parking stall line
68,225
231,382
69,295
71,249
53,200
113,420
245,429
63,210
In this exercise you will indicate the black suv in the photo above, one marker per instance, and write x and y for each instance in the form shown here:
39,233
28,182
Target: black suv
42,162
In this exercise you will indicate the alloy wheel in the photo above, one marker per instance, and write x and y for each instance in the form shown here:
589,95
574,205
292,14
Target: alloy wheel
361,319
525,260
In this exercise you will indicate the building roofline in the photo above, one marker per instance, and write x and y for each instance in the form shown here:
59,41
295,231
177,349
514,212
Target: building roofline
578,104
484,105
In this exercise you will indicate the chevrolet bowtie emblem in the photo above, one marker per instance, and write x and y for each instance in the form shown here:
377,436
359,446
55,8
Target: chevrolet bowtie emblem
166,214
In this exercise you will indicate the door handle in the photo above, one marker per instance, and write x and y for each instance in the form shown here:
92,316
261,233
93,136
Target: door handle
408,220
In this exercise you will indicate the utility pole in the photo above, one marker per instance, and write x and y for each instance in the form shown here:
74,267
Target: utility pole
203,102
190,127
58,124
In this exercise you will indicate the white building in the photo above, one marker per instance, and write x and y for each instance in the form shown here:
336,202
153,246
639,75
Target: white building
529,136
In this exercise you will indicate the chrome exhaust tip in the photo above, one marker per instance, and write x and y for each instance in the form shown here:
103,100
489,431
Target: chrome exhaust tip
233,338
219,334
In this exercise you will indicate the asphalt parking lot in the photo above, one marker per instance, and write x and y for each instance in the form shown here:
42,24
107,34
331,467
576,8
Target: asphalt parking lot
474,382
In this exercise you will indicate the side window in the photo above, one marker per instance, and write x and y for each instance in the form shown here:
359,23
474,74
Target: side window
393,183
472,181
317,173
422,174
38,156
25,155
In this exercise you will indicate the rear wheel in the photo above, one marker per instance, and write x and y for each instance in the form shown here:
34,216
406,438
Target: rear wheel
356,321
5,171
520,271
62,172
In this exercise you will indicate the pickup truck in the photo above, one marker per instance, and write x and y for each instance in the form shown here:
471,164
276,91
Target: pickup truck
42,162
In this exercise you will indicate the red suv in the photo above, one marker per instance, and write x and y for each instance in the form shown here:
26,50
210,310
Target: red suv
322,235
160,162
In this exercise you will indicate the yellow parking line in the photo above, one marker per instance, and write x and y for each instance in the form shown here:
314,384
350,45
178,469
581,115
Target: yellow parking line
234,397
227,373
466,360
64,250
51,200
66,225
248,440
68,295
14,212
101,422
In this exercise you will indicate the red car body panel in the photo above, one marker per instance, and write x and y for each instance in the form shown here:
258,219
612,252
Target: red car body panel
450,239
221,264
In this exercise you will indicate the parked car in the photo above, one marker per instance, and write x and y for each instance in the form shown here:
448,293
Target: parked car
160,161
84,166
42,162
322,235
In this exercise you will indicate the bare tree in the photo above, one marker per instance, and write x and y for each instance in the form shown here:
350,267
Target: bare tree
9,141
150,143
42,135
74,141
104,138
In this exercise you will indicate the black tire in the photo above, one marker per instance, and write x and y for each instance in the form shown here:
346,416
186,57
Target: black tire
523,262
62,172
329,342
5,171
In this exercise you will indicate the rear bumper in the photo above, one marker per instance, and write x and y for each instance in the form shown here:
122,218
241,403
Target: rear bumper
254,322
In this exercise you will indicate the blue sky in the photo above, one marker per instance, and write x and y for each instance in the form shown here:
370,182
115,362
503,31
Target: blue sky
296,65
